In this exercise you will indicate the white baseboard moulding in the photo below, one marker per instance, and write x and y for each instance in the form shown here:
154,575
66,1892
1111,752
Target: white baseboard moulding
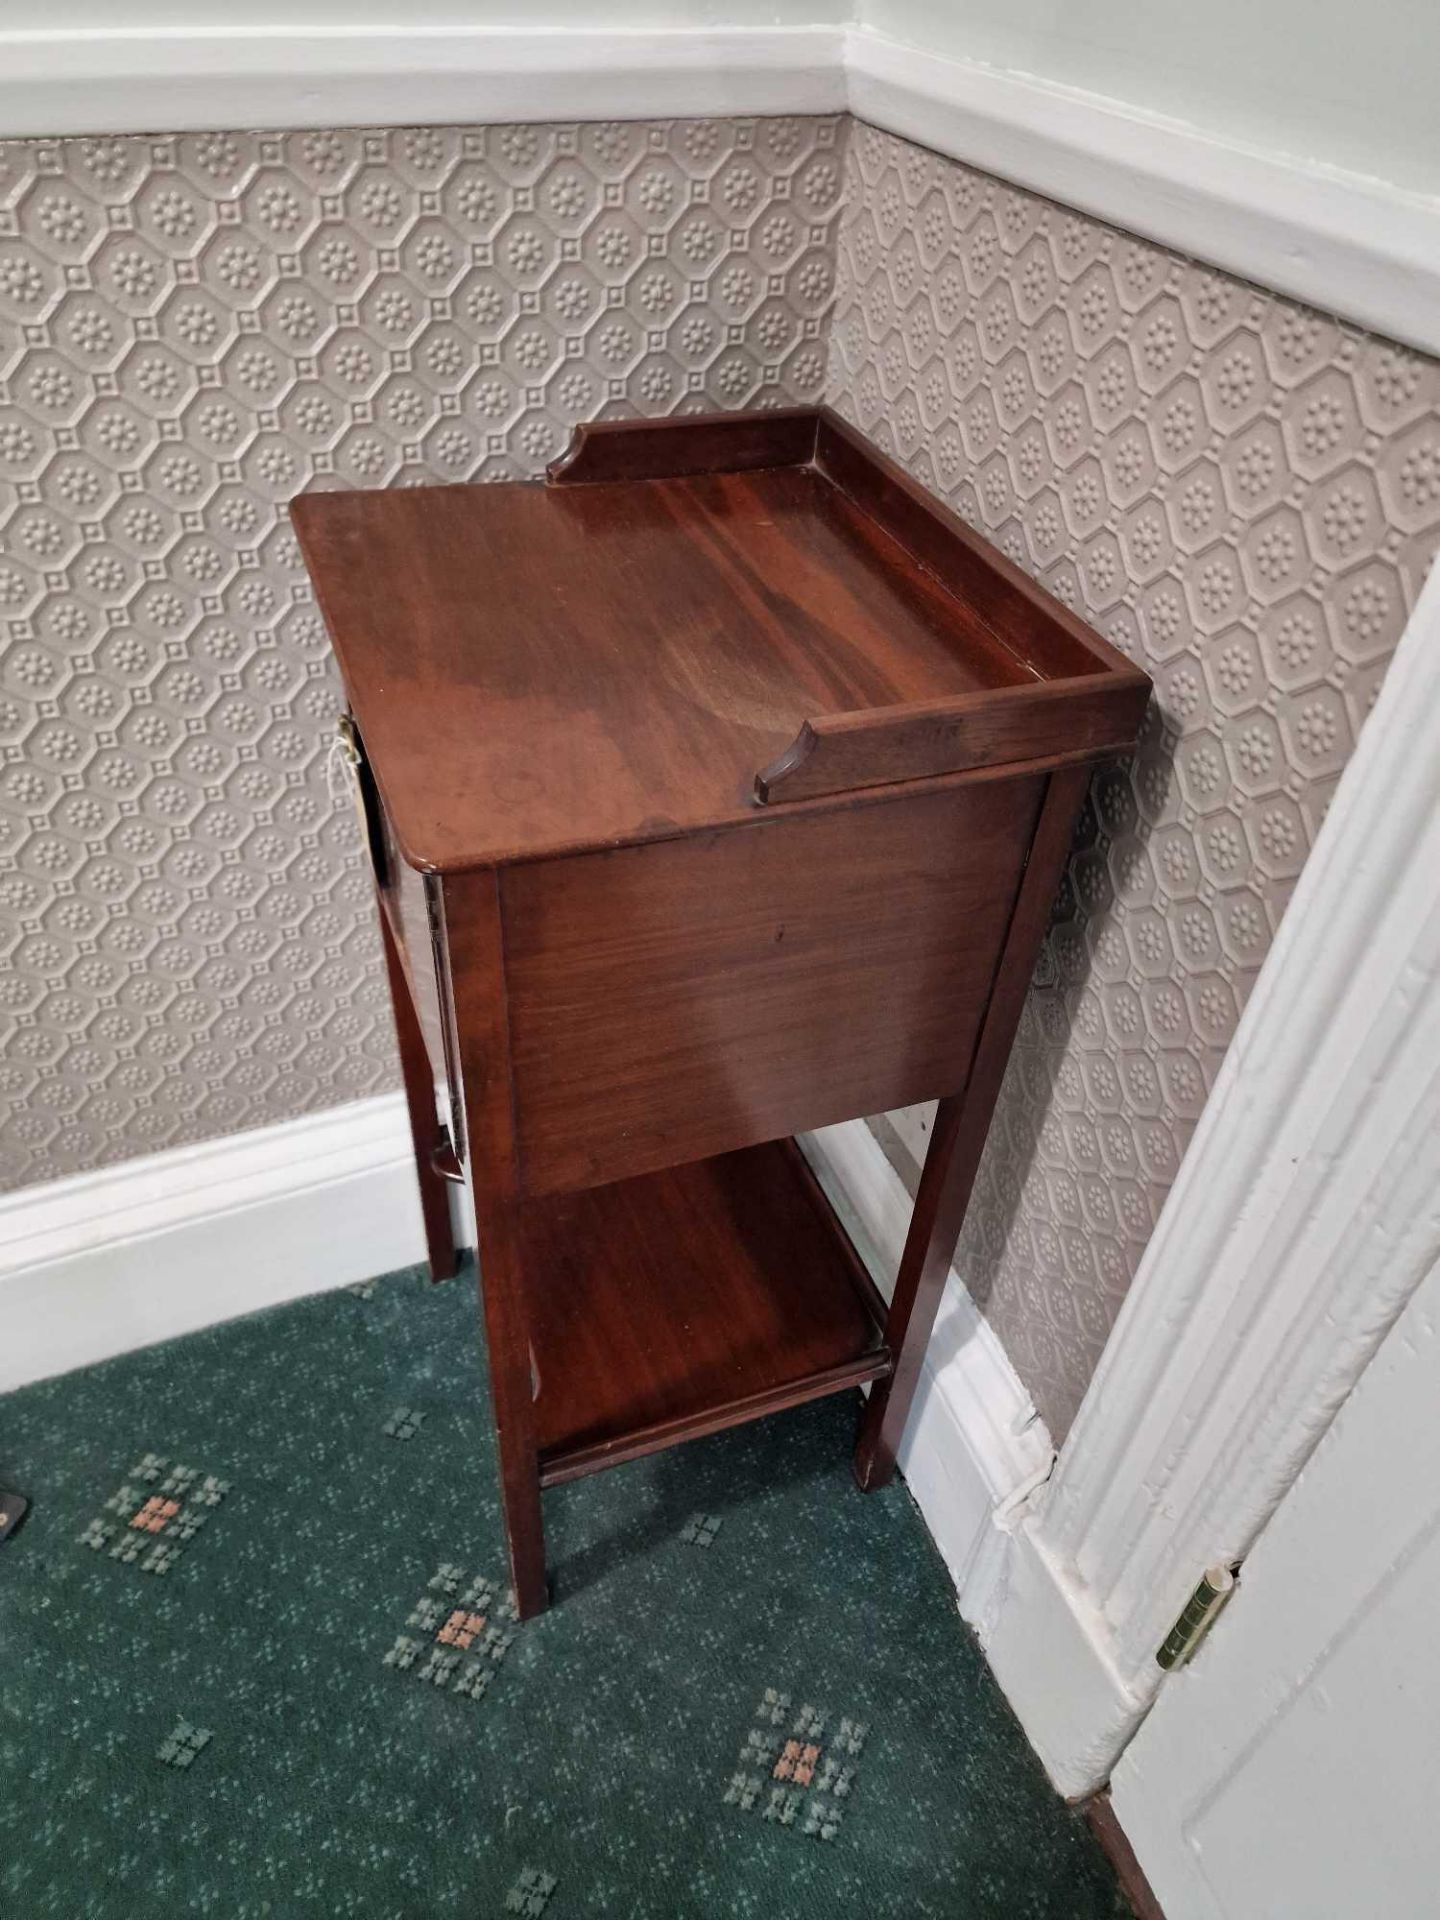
975,1449
106,1262
1360,248
977,1457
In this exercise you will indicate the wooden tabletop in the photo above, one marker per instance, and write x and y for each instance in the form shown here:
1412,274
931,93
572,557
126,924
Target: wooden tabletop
538,668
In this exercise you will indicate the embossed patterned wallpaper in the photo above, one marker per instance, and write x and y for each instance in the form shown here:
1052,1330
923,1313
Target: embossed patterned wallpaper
1242,494
191,331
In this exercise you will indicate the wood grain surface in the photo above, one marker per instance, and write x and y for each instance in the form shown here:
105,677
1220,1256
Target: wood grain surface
670,1306
672,1001
1052,720
687,443
537,670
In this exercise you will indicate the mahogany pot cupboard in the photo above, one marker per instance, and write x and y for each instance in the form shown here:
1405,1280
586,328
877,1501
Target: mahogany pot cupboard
715,790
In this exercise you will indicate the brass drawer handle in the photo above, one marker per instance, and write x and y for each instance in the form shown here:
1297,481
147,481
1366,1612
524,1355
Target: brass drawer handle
367,801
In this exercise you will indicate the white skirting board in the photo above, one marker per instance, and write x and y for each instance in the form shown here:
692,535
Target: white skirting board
160,1246
975,1448
977,1458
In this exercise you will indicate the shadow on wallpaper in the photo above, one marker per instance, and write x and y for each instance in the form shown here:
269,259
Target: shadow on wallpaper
1242,494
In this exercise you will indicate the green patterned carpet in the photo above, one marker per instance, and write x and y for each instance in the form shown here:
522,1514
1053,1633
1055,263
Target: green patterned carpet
257,1659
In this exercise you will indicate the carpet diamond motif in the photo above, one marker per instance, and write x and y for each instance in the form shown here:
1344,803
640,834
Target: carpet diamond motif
150,1519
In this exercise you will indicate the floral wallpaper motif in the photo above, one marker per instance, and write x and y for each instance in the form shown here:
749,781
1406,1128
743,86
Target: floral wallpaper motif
192,330
1244,495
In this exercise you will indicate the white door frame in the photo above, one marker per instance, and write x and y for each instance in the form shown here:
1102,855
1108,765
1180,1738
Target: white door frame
1306,1213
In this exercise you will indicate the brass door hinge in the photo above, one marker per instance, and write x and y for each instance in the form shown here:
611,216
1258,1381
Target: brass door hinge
1197,1616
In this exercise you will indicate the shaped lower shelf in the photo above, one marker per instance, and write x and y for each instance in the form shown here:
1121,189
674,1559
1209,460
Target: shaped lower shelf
672,1305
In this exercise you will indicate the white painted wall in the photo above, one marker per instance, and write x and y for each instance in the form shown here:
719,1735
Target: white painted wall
231,16
1338,82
